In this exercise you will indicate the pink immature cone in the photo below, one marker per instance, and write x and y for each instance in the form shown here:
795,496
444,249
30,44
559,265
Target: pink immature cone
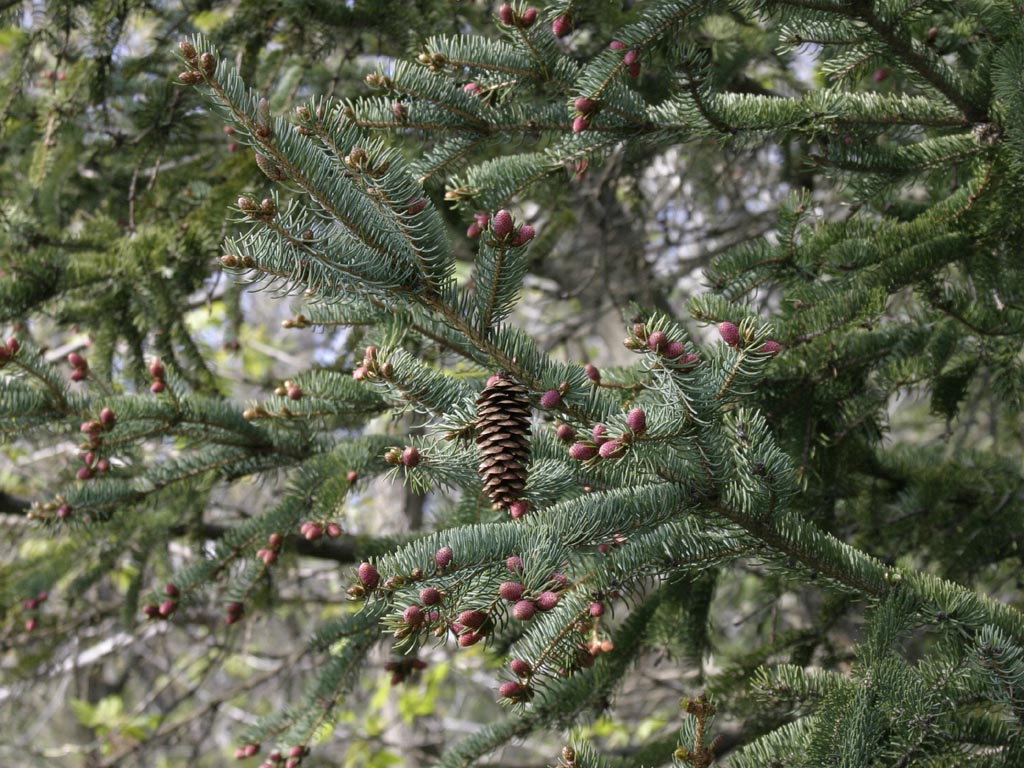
524,610
413,616
593,373
368,575
565,433
411,456
505,14
584,105
518,509
657,341
76,360
520,668
511,591
771,348
529,17
547,600
674,349
524,235
580,123
582,451
514,563
730,333
561,26
443,557
511,690
502,225
636,420
472,619
551,399
430,596
613,449
617,45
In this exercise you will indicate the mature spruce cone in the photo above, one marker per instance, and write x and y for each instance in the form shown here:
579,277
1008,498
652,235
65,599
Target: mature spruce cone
503,435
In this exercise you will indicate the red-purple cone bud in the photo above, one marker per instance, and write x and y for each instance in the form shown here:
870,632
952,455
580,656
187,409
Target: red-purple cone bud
600,434
584,105
64,511
551,399
673,350
506,14
473,231
580,123
151,610
333,530
617,45
520,668
514,563
156,369
443,557
565,433
511,690
511,591
631,57
633,70
430,596
561,26
730,333
596,610
582,451
501,225
657,341
368,575
547,600
468,638
636,420
313,532
83,473
613,449
294,393
156,387
524,235
472,619
524,610
76,360
167,607
411,456
108,417
518,508
529,16
171,590
593,373
771,348
413,616
472,88
13,345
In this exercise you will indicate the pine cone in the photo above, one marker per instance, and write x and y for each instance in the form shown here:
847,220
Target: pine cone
503,435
